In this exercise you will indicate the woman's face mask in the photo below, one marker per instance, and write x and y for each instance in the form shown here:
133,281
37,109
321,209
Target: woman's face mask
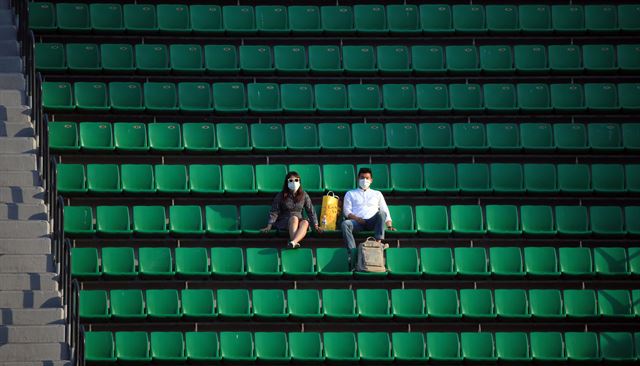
364,183
293,184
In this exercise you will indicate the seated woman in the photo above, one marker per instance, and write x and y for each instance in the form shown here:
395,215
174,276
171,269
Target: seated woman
286,211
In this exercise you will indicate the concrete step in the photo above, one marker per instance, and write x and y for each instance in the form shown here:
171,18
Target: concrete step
15,211
20,114
12,81
28,195
23,229
12,97
8,31
25,246
17,145
34,352
9,48
28,281
20,129
31,333
5,4
23,178
11,64
6,17
18,162
30,300
38,363
32,316
25,263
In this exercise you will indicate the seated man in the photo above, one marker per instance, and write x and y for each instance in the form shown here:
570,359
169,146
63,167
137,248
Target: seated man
364,209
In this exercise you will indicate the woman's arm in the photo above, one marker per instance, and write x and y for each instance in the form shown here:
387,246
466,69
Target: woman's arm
274,212
311,211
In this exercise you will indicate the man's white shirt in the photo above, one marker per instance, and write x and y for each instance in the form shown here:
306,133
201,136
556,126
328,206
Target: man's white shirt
364,203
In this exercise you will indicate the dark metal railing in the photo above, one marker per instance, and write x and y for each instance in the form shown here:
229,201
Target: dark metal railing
76,335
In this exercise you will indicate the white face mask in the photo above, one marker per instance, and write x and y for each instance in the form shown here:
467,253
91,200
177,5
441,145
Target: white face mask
293,186
364,183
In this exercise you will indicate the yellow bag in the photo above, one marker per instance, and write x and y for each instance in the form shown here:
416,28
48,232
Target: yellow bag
329,211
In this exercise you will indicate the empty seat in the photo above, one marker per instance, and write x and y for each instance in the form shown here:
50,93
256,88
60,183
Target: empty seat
466,97
534,97
601,18
220,59
305,347
628,56
477,304
301,137
233,304
507,178
298,263
185,220
252,218
71,178
263,98
290,59
617,346
222,219
160,97
333,262
370,19
304,19
601,97
227,262
99,347
462,59
82,58
96,136
565,58
63,136
574,178
500,98
605,137
599,58
477,346
473,178
364,98
471,261
268,304
156,262
433,98
432,220
373,304
267,137
568,18
113,220
615,304
340,347
502,18
436,18
408,304
576,261
272,346
399,98
408,346
239,179
233,137
57,96
496,59
171,179
78,220
610,261
271,19
512,346
324,59
127,304
237,346
469,18
629,96
470,136
206,19
407,177
194,97
568,97
338,177
547,346
580,303
511,303
331,98
443,346
467,219
631,222
374,347
506,261
239,19
582,346
119,262
606,220
393,60
428,59
72,17
167,346
130,136
297,98
91,96
436,136
42,16
192,262
229,98
337,19
403,220
163,304
570,136
440,177
546,303
537,220
530,59
442,303
84,262
132,347
335,137
149,220
339,304
540,178
263,262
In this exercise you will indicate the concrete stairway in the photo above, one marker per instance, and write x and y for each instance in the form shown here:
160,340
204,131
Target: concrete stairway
32,325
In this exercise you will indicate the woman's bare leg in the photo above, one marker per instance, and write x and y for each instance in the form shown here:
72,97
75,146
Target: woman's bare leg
293,227
302,231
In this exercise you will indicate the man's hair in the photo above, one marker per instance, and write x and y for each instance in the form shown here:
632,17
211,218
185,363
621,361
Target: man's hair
365,171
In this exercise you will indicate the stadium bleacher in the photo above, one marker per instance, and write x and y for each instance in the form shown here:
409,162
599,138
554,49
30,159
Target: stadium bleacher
505,138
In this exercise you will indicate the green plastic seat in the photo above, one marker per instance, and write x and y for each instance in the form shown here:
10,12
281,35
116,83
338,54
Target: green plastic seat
631,223
470,137
304,304
290,59
192,262
437,262
506,261
339,304
324,59
271,19
432,220
335,137
541,261
370,19
237,346
163,304
197,304
402,137
99,347
96,136
534,98
632,177
440,177
206,19
185,220
340,347
359,60
469,18
473,178
297,98
567,97
547,346
374,347
399,98
433,98
540,178
369,136
253,217
478,346
496,59
630,136
82,58
140,18
57,96
331,98
565,58
337,19
408,304
227,262
126,97
202,346
462,59
305,347
78,220
168,347
264,263
267,137
570,137
42,16
582,346
534,18
511,303
605,137
580,303
537,220
233,137
149,220
471,261
444,346
436,18
502,18
298,263
268,177
467,219
132,347
629,96
84,263
407,177
503,220
627,17
601,18
610,261
546,304
403,220
512,346
239,19
615,304
530,59
568,18
199,137
155,262
477,304
599,58
73,17
256,59
93,304
91,96
333,262
173,18
263,98
302,137
409,347
71,178
606,220
601,97
312,176
617,346
119,263
436,136
63,136
304,19
127,304
338,177
171,179
442,303
220,59
103,178
152,58
272,346
239,179
165,136
194,97
373,304
113,220
233,304
608,178
576,261
574,178
116,57
160,97
500,98
364,98
428,59
506,178
268,304
393,60
229,98
627,57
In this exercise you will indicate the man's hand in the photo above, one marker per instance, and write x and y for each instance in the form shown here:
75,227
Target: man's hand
360,220
266,229
390,226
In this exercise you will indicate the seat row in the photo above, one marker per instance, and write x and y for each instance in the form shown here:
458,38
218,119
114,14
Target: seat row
344,137
323,59
434,178
401,263
339,20
361,304
272,98
431,220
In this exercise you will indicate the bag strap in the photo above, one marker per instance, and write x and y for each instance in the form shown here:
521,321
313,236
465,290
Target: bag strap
330,193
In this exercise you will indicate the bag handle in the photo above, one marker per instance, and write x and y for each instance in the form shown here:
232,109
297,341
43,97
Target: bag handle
330,193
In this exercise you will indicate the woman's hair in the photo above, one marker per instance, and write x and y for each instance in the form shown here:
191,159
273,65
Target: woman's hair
299,195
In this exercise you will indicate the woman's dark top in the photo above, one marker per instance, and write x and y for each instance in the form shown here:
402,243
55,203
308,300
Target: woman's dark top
283,209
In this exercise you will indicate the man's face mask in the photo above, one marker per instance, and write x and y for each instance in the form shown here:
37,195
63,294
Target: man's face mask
364,183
